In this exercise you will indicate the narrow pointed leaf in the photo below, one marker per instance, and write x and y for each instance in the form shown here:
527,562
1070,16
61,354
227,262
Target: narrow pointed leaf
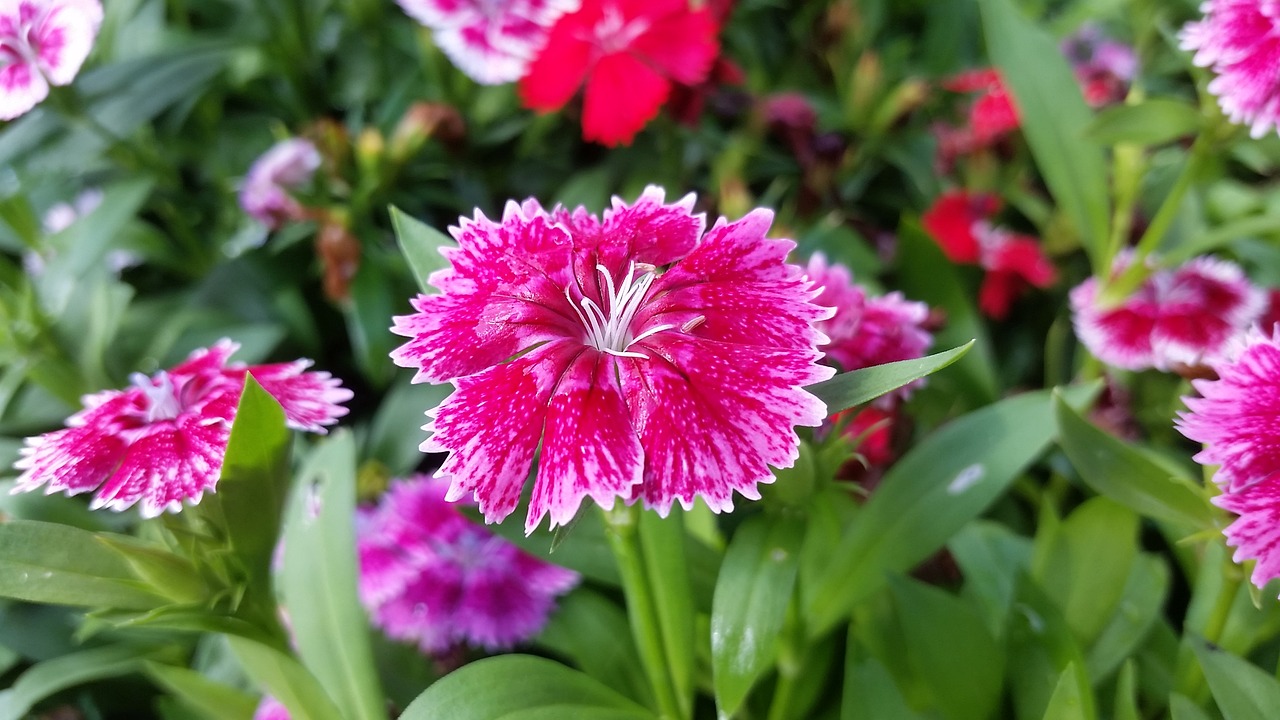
59,564
862,386
421,246
1241,689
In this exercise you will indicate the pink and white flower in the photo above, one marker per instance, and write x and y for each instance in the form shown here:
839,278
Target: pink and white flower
288,165
430,576
1181,316
492,41
867,331
646,359
1240,41
42,43
1237,417
161,442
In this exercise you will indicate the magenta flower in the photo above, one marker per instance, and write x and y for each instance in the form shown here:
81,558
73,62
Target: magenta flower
1240,41
288,165
161,442
492,42
646,359
1181,316
1104,67
867,331
42,43
1237,417
271,709
430,576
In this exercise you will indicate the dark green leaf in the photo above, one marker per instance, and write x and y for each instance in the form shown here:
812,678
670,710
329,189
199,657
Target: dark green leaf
51,563
210,699
44,679
1151,122
575,629
282,677
1140,605
662,542
870,691
862,386
421,245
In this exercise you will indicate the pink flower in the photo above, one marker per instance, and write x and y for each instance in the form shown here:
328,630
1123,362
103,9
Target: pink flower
1103,66
1236,417
867,331
288,165
492,42
271,709
627,53
1240,41
646,359
430,576
1183,316
960,223
162,440
42,43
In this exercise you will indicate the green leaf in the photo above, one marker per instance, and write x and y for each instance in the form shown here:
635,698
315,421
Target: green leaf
421,245
1182,708
206,697
1066,703
1141,603
574,631
1054,119
52,563
753,591
1041,650
870,690
44,679
404,407
934,490
1122,473
857,387
170,575
1126,705
662,544
284,678
991,558
319,580
520,687
1151,122
1241,689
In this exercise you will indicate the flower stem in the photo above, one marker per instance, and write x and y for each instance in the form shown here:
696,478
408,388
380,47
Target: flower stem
621,525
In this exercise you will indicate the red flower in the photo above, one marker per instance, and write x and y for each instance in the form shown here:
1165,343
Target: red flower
960,223
627,53
990,117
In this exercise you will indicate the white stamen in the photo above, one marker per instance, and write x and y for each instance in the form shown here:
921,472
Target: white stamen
162,400
610,332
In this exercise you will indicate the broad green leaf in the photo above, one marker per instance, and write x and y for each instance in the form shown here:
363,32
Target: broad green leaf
870,691
392,439
753,591
1066,703
1126,704
1241,689
1041,649
574,631
1115,469
520,687
209,698
857,387
370,306
1182,708
319,580
284,678
991,558
946,481
581,547
170,575
1140,605
662,544
421,245
46,678
964,673
1151,122
52,563
1054,119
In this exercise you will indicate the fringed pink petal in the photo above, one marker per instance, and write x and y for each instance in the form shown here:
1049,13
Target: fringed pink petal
79,458
1256,533
63,38
1240,41
310,399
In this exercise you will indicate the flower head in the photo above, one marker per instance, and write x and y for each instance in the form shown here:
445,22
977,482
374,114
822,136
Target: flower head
270,708
161,441
490,41
960,223
1237,417
429,575
627,53
646,359
867,331
42,43
1181,316
1103,66
289,164
1240,41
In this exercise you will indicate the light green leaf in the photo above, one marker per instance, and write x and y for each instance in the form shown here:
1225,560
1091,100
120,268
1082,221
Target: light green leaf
662,543
1066,703
1126,705
1151,122
46,678
52,563
1241,689
319,580
862,386
1182,708
170,575
574,631
421,245
209,698
284,678
869,689
1141,603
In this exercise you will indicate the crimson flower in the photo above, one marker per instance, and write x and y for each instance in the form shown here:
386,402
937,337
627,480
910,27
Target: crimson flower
1240,41
645,359
990,116
430,576
627,53
960,223
492,42
1181,316
161,442
1236,417
42,43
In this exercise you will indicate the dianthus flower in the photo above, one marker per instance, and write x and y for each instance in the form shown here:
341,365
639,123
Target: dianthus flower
289,164
1237,417
42,43
161,442
990,116
1240,41
960,223
1103,66
867,331
270,708
492,42
627,53
649,360
1182,316
430,576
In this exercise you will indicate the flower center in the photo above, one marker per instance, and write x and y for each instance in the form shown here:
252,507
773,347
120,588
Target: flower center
610,331
162,397
613,33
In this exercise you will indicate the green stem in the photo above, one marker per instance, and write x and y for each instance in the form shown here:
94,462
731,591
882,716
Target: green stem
621,524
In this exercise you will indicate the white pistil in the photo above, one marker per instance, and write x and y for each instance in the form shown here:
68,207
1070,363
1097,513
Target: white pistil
611,332
162,401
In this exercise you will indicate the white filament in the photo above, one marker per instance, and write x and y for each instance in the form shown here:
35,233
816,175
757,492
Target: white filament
611,332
